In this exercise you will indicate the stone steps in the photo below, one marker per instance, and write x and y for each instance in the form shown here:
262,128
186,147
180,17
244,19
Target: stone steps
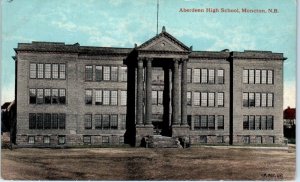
158,141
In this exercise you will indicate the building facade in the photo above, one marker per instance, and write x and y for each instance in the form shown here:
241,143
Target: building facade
69,95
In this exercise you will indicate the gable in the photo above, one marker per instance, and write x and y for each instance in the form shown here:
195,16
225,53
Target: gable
164,42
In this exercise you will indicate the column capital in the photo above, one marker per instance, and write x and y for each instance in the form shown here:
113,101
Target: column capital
176,60
184,59
140,59
149,59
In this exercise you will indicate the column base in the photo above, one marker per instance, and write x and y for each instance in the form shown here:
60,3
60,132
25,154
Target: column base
142,131
180,130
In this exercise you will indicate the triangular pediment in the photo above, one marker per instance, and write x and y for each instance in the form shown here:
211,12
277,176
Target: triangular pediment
163,42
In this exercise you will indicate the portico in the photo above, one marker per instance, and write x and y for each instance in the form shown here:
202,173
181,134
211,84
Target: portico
172,55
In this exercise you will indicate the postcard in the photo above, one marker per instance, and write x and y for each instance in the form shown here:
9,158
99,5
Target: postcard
148,90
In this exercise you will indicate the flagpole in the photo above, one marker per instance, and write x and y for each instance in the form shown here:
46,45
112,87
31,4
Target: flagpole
157,18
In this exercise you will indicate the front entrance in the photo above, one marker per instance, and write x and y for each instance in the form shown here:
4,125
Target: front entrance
157,127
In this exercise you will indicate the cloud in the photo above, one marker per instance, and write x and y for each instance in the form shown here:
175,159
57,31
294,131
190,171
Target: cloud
289,96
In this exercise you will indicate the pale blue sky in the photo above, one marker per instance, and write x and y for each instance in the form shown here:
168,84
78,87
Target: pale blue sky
122,23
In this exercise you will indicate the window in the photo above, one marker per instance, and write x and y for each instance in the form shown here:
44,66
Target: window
87,139
258,139
269,122
114,121
220,101
220,76
62,121
246,139
220,139
154,97
245,99
105,121
88,121
39,121
211,76
32,96
123,98
98,97
54,121
203,99
106,73
48,71
40,71
251,123
99,73
88,73
203,139
251,76
121,139
40,96
211,122
257,123
123,74
197,98
189,75
47,96
61,140
257,99
123,121
270,100
62,96
32,121
197,122
47,121
55,71
220,122
114,73
263,122
54,96
257,76
270,76
114,98
157,76
189,120
105,139
88,97
160,97
251,100
263,100
196,76
62,71
98,121
46,139
203,122
263,76
31,139
211,99
245,76
189,98
203,75
32,70
246,123
106,97
271,139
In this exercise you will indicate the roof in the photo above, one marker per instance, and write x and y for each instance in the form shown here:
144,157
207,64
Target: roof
289,113
5,105
60,47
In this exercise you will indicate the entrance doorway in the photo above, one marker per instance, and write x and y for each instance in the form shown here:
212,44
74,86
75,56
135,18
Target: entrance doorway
157,127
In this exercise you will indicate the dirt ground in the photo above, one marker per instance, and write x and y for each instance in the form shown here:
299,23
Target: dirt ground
148,164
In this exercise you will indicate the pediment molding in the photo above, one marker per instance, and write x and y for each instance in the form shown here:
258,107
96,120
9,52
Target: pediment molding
163,42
